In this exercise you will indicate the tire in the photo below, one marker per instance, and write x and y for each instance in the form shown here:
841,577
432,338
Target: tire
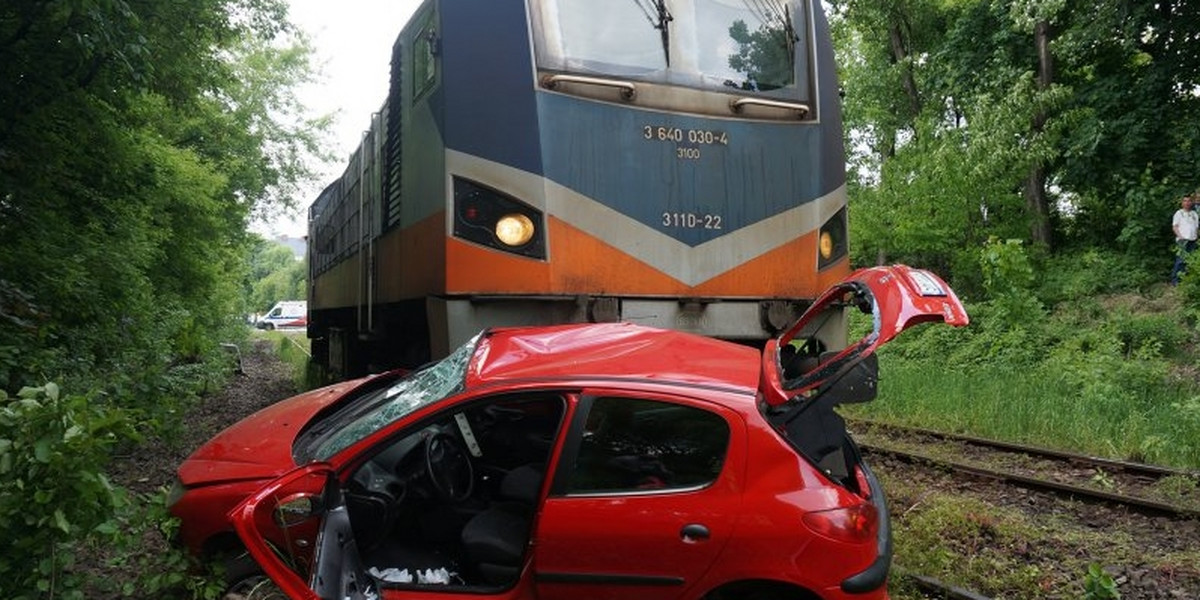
245,580
255,588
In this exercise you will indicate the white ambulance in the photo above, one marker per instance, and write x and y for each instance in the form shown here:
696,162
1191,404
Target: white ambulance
286,314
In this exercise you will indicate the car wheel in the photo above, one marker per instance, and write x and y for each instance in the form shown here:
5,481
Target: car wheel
270,327
245,580
258,587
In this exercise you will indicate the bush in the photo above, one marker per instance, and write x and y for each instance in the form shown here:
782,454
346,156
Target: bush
147,571
53,493
1008,278
1070,276
1189,283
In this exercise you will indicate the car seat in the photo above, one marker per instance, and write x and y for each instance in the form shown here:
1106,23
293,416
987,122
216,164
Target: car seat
494,540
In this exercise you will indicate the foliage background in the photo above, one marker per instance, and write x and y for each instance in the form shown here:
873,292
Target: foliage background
275,274
976,119
1030,151
137,140
1033,152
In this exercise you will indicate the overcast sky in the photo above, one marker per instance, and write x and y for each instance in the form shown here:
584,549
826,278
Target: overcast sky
353,43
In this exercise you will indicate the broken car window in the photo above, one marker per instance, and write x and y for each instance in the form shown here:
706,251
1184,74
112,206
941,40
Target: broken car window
422,388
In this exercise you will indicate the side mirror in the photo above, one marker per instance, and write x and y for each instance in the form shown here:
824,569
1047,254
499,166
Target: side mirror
298,509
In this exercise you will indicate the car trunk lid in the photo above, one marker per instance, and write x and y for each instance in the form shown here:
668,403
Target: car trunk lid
803,379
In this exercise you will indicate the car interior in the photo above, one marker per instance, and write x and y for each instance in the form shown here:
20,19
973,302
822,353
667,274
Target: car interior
452,502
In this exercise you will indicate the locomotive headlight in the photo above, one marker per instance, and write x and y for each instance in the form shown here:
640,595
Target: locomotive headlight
831,241
495,220
514,229
826,245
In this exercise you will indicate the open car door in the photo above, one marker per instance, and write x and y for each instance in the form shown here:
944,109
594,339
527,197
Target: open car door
803,379
304,509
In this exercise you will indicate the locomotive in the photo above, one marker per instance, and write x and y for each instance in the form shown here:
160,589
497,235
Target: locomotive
676,163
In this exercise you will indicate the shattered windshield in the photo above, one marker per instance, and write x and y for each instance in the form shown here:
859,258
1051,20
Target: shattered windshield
747,45
422,388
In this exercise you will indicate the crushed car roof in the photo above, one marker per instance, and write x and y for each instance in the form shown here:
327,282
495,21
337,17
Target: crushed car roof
612,350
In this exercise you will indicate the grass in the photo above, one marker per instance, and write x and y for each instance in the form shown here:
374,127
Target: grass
1036,407
294,348
968,542
1107,376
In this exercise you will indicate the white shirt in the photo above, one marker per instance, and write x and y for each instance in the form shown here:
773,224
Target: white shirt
1185,224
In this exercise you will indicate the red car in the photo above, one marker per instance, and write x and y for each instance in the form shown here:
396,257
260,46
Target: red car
576,461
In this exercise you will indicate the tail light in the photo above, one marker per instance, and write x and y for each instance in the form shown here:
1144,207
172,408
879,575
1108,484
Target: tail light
860,479
856,524
491,218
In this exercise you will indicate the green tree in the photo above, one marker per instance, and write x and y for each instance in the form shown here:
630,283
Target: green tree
275,275
1072,121
922,187
137,138
268,257
1134,141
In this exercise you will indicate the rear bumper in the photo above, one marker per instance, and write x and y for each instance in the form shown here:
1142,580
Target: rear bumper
874,576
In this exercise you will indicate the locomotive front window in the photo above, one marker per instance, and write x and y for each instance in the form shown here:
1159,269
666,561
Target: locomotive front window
602,36
739,46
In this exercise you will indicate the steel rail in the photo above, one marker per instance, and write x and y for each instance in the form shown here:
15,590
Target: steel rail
1159,508
942,589
297,344
1128,466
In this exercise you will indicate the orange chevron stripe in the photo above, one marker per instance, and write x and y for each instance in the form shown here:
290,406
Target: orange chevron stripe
785,272
583,264
421,260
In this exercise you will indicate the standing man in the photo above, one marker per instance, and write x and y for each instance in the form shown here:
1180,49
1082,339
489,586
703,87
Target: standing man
1185,224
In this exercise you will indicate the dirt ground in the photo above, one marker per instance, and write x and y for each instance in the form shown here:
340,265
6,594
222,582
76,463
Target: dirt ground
1148,556
264,380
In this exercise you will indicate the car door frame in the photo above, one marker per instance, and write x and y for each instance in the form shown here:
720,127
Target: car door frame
245,518
728,484
343,463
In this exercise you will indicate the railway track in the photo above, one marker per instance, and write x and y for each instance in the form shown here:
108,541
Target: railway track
1150,489
940,589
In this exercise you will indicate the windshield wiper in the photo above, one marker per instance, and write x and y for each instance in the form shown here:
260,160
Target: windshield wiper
790,31
773,15
658,10
664,18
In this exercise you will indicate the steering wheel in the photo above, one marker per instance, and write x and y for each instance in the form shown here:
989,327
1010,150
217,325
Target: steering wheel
450,468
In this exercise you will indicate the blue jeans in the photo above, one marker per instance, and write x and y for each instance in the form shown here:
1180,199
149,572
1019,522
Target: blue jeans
1182,249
